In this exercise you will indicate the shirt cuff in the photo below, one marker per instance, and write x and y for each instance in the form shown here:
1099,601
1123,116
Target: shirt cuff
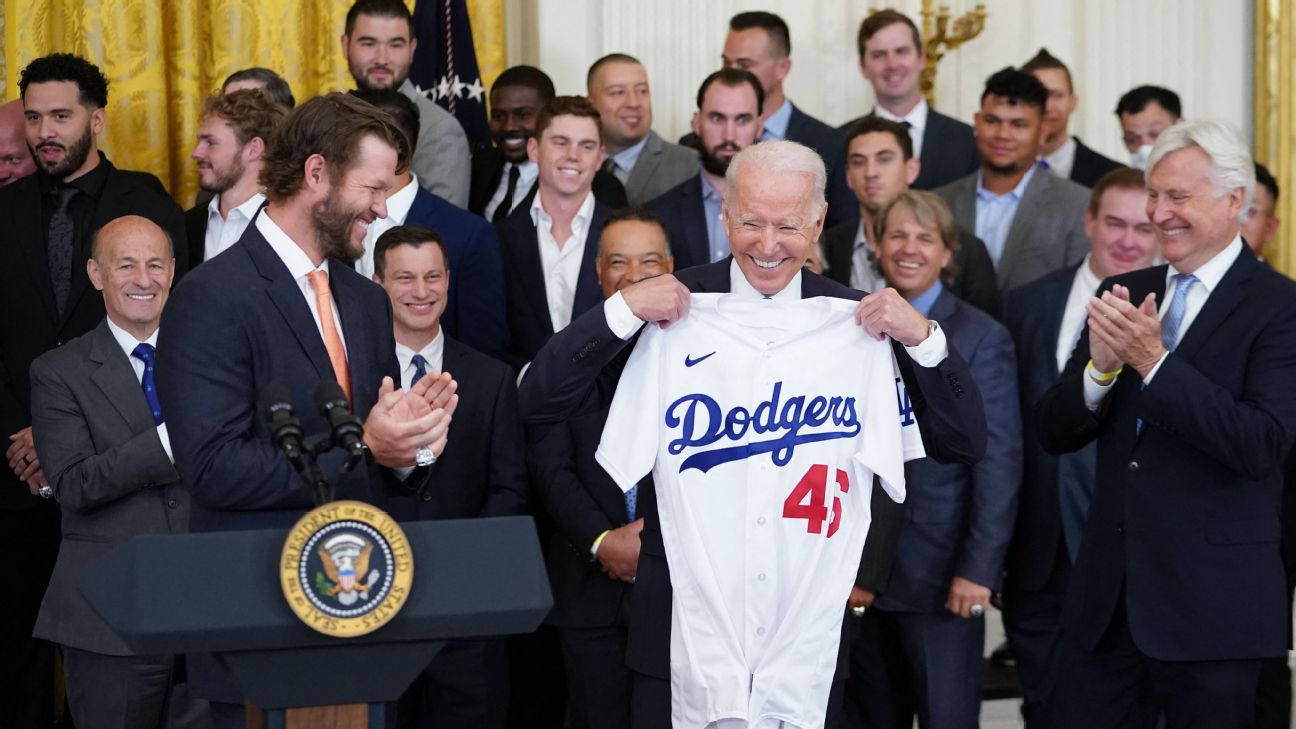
1152,372
620,319
931,351
1094,393
166,441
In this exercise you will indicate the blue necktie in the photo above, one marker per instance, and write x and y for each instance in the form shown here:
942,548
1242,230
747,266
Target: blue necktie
1178,307
144,353
632,500
420,369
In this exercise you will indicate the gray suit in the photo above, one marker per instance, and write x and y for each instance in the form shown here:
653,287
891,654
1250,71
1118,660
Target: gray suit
660,167
99,447
441,161
1046,234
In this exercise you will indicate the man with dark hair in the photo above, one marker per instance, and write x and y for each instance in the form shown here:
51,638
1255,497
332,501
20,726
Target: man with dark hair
261,79
379,44
503,179
283,307
891,57
645,163
484,474
474,306
1031,223
1045,318
50,219
593,552
759,42
232,136
727,122
1261,224
15,158
879,166
1144,113
548,260
1065,155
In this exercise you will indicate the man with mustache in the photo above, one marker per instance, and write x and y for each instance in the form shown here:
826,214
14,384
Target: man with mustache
230,154
379,47
50,218
727,122
283,307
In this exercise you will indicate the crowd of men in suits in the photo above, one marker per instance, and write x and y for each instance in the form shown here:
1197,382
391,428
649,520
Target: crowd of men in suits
1123,508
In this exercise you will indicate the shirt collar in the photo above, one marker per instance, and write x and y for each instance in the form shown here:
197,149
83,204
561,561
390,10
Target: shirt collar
777,123
91,183
293,257
247,209
1015,194
628,157
708,192
738,284
580,222
861,236
1063,158
126,340
434,352
1211,272
923,302
1086,274
917,116
399,204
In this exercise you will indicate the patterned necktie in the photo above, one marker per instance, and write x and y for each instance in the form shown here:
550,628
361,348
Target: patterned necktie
1178,307
506,205
632,501
420,368
61,239
144,353
332,339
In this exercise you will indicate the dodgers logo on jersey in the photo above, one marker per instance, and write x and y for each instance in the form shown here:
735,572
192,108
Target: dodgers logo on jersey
701,423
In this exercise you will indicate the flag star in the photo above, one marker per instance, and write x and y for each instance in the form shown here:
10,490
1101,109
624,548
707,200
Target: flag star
476,90
458,86
443,88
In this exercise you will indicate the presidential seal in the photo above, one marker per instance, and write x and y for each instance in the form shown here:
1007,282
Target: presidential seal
346,568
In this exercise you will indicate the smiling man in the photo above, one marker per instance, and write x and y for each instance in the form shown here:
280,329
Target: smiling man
379,44
15,158
1031,223
50,219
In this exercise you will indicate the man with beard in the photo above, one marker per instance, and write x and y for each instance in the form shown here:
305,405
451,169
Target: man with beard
379,47
283,307
230,153
1061,152
15,159
727,121
503,179
49,220
1031,223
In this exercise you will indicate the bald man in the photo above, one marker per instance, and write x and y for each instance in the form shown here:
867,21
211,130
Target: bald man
15,159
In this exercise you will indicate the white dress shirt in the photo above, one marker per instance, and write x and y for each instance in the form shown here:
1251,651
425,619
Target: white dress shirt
864,277
1075,314
398,207
128,343
1208,276
527,173
1062,160
917,118
434,353
225,232
299,265
560,264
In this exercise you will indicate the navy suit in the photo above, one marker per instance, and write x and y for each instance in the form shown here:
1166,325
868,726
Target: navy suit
827,141
526,303
913,656
577,372
1090,166
948,151
1051,507
474,311
684,217
1179,578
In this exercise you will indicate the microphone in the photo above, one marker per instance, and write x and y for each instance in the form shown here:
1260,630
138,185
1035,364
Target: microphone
346,429
285,429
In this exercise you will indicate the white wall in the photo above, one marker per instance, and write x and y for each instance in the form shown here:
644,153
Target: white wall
1199,48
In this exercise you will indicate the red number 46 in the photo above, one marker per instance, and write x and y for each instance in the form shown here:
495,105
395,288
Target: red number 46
809,500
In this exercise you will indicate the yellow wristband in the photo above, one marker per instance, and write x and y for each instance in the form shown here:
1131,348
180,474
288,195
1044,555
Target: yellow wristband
597,541
1102,378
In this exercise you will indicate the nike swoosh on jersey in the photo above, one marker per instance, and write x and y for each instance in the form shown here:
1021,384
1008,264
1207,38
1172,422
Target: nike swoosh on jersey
690,361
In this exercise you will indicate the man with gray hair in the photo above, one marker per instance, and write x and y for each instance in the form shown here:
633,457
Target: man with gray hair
1183,377
773,213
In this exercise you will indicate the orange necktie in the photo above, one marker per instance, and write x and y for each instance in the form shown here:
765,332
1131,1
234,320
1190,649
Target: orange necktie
332,340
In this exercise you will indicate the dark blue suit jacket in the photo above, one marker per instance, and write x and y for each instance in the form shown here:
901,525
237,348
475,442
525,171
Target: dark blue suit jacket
236,325
474,311
827,141
527,304
1184,520
684,217
958,517
1056,490
1090,166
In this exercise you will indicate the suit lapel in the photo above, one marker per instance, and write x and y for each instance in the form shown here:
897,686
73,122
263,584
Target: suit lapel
286,296
1019,231
645,167
359,338
588,292
526,256
113,375
1221,302
696,224
31,242
1051,312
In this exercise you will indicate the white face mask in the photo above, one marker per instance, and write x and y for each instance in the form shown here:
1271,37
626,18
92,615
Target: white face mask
1139,157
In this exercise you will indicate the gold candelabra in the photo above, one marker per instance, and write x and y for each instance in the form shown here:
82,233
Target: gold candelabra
942,36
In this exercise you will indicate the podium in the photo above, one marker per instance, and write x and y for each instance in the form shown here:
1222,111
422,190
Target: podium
219,593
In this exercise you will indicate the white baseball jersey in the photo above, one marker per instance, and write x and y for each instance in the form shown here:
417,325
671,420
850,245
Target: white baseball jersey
764,424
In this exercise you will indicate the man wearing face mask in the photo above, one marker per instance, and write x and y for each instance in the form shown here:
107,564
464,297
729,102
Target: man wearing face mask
1144,113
